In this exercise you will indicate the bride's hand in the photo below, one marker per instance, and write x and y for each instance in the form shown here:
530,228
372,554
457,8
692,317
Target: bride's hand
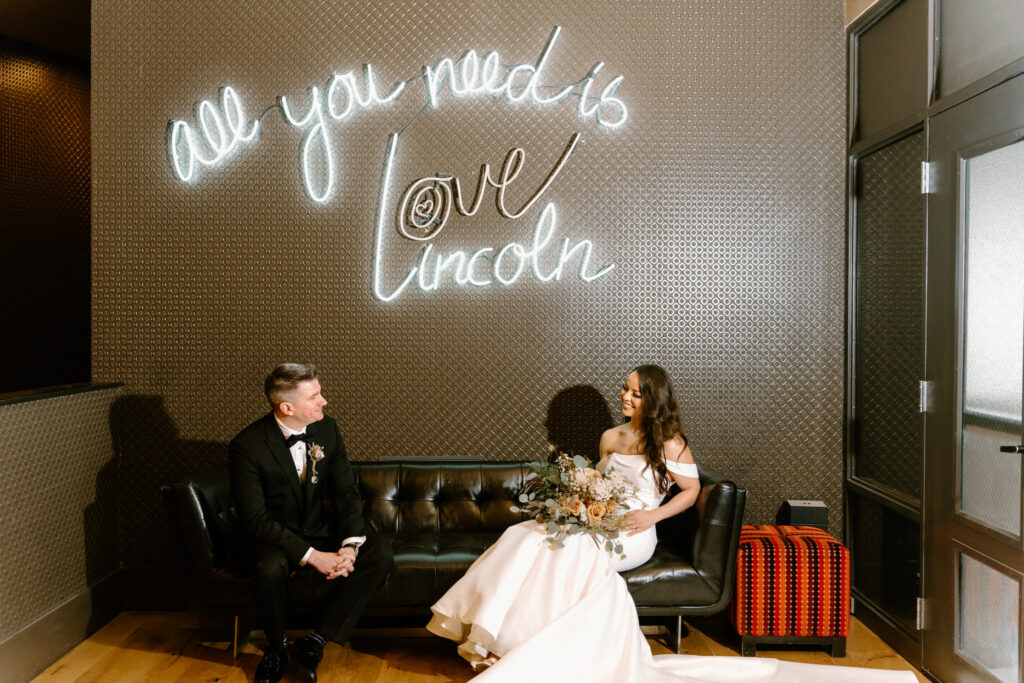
640,520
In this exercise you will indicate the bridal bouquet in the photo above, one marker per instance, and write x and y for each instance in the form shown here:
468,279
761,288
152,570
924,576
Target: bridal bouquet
568,496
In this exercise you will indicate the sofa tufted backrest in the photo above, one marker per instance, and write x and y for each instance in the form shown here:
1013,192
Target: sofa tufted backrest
435,496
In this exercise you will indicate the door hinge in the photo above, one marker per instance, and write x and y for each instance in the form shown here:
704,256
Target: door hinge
927,177
924,400
921,614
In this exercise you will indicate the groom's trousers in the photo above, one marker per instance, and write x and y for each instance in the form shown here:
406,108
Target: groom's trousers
269,570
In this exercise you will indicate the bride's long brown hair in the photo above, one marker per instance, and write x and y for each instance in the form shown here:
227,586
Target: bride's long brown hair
661,419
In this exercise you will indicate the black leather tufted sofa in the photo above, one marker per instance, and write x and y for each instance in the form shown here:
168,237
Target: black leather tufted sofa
440,516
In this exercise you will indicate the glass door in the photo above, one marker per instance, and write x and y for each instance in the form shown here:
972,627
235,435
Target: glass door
974,562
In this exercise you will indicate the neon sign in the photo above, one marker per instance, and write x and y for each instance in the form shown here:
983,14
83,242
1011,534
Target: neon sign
216,133
427,203
219,130
433,191
215,127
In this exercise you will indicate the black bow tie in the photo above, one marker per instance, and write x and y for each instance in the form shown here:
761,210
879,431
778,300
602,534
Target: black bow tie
295,438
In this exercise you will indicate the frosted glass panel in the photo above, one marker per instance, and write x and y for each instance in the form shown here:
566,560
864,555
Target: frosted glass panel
985,471
993,336
987,621
889,345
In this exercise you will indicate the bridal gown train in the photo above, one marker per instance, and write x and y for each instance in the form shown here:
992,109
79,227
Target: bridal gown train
558,614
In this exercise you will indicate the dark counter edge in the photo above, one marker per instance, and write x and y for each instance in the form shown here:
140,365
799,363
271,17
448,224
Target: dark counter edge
26,395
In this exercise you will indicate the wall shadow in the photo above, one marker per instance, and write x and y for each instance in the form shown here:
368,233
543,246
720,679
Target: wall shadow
99,522
577,416
152,454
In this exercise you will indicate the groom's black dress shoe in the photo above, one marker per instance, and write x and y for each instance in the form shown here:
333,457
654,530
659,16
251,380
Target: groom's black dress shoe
307,653
271,667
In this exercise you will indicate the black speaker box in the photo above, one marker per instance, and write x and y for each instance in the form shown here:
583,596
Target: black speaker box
803,513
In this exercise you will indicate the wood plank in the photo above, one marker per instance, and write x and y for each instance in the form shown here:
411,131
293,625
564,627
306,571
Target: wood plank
84,655
165,647
142,652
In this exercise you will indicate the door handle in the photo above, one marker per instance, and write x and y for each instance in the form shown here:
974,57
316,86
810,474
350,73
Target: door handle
1011,449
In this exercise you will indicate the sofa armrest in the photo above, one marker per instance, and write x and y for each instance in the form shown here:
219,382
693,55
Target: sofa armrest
716,541
190,533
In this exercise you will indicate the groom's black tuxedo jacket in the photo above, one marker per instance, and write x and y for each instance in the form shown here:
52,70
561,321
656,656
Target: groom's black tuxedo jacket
274,507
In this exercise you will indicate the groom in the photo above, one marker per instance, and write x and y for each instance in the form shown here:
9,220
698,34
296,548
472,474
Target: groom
282,467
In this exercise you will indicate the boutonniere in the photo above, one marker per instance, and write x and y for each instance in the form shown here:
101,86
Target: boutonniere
316,454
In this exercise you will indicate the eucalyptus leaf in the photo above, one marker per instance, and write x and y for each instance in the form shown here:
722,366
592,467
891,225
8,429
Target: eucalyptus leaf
580,461
550,502
514,509
523,498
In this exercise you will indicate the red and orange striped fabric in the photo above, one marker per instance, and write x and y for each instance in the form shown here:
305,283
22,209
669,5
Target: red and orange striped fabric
791,581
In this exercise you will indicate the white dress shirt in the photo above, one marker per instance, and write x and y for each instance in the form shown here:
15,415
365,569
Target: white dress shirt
298,451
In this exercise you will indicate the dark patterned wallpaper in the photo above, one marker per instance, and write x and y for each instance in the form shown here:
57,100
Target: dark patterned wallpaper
58,503
719,202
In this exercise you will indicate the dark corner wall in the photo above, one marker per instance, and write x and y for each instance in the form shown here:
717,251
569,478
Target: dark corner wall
44,220
713,218
58,496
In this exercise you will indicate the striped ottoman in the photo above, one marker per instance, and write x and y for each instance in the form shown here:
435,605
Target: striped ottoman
792,587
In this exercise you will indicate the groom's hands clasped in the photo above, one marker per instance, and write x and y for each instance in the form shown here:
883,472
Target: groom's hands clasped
333,565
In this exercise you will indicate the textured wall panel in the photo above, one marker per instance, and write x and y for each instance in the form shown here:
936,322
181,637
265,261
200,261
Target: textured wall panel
44,217
889,353
58,503
719,202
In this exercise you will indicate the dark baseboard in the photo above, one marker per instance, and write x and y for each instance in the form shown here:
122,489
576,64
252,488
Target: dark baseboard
45,640
152,589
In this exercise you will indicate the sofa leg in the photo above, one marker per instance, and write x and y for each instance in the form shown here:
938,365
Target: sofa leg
838,647
241,636
748,648
679,632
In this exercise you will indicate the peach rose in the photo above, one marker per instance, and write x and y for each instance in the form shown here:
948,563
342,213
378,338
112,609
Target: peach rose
573,507
597,510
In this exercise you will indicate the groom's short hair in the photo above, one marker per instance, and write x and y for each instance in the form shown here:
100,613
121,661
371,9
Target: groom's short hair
283,380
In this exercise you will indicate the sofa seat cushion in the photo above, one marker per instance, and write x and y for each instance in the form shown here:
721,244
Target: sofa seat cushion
668,580
428,564
225,591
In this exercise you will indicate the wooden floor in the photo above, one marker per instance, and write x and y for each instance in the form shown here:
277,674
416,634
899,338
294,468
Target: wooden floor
164,647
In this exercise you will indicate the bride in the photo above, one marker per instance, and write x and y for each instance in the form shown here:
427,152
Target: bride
527,609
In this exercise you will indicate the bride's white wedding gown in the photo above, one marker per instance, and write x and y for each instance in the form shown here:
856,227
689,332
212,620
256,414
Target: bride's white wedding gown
559,614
